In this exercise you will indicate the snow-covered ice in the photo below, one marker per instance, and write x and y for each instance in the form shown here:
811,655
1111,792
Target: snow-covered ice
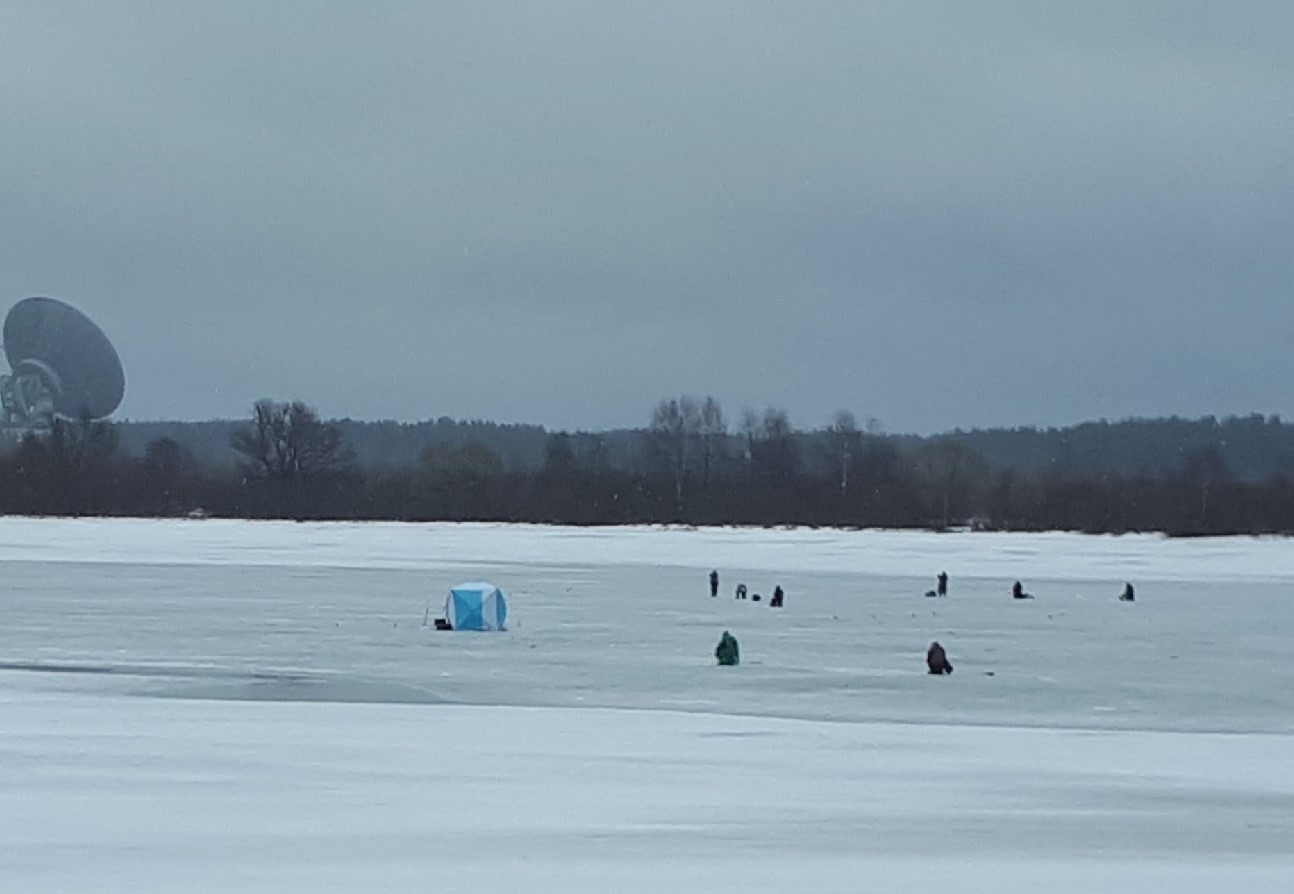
234,706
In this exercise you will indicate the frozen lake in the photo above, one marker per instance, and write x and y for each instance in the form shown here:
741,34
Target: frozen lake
243,706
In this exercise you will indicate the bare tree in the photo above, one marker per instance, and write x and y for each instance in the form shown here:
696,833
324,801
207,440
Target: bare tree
81,446
674,426
775,453
560,462
288,440
166,466
713,429
846,442
1203,471
750,430
69,470
953,471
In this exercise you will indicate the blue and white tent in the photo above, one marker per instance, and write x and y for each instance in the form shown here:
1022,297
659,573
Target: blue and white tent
476,606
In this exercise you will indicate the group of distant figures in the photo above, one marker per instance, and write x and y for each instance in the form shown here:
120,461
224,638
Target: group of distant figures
775,601
1017,590
937,657
727,652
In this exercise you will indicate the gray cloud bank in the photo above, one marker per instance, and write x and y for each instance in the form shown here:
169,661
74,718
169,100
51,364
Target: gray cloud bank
936,214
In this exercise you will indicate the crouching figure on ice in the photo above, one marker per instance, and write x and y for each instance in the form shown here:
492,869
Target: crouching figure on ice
937,660
1128,595
727,653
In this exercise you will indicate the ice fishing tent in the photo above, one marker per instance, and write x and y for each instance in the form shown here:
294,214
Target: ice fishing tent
476,606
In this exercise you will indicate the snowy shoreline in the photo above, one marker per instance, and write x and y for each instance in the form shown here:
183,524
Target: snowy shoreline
431,545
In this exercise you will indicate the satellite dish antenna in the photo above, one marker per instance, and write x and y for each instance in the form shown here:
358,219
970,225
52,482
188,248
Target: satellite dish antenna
63,365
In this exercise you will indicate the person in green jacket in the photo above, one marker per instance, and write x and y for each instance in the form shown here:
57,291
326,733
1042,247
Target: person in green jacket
727,652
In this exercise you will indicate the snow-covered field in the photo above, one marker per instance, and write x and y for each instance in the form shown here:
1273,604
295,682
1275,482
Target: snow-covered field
232,706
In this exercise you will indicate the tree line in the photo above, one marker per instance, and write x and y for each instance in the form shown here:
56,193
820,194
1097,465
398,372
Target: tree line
689,465
1253,447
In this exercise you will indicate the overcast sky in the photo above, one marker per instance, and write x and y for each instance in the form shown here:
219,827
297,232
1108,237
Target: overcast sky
935,214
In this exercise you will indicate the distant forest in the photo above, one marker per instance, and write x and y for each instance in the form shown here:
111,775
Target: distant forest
688,464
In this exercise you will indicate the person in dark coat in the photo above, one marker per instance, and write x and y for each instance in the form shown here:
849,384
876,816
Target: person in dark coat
714,584
1127,595
941,588
727,653
741,591
778,596
937,660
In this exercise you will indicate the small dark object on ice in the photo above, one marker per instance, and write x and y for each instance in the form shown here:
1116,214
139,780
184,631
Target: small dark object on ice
937,660
755,598
443,624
